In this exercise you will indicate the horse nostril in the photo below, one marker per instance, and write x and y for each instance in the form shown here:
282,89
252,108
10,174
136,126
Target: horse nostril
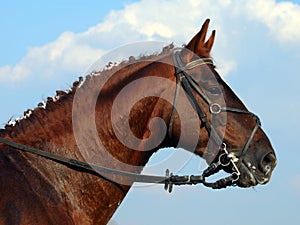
268,163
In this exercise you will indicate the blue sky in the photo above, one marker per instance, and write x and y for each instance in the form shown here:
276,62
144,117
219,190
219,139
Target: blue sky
256,50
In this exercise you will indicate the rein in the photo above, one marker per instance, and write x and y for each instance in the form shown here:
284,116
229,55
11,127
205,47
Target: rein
223,159
168,180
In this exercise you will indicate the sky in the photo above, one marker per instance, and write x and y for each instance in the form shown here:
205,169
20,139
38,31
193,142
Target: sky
46,45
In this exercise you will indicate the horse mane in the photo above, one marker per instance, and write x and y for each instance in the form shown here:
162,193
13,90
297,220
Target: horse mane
20,125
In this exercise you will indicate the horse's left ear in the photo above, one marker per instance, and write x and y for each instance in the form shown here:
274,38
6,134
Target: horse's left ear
198,45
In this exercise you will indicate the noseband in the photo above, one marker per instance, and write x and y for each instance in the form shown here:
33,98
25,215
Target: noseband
223,158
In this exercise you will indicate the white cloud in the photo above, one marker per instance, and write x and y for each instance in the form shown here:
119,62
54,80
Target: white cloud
176,21
64,54
282,19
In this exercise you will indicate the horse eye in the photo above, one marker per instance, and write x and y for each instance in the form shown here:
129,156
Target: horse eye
214,91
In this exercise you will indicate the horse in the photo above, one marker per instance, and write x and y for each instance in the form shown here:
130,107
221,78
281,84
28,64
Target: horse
117,118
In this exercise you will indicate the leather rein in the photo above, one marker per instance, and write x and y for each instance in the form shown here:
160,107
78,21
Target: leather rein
224,159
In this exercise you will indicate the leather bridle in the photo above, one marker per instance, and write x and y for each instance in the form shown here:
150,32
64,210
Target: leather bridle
223,160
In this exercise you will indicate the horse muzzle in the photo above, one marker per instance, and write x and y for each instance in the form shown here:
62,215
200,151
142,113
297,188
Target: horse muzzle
252,174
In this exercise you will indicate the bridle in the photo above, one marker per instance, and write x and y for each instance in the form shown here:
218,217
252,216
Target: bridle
224,159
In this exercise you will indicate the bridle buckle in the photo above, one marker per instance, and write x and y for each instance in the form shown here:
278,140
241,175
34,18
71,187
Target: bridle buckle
215,108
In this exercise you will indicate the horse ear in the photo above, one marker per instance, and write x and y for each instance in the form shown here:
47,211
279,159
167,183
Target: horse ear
198,44
210,42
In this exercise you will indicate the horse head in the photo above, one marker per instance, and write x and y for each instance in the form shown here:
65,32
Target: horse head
224,119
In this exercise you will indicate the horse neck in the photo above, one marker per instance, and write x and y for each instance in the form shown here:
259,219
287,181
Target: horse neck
113,115
70,195
55,128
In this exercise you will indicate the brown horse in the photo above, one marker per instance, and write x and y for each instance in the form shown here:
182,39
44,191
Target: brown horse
117,118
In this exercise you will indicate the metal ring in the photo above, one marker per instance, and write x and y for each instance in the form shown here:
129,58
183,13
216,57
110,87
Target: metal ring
224,161
235,176
215,108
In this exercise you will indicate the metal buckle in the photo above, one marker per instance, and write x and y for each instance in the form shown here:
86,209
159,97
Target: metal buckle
215,108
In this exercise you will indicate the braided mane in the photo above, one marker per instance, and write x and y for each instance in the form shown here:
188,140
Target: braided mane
19,126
